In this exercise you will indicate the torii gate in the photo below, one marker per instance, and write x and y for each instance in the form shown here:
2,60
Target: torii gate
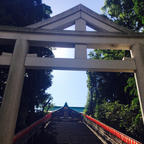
51,33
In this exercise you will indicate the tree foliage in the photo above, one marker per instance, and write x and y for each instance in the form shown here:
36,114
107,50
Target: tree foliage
21,13
126,118
108,86
128,13
114,99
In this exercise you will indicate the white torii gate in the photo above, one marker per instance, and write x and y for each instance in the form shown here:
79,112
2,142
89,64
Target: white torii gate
107,35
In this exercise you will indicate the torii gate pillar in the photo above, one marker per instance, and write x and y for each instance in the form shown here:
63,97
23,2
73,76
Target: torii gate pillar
11,99
137,52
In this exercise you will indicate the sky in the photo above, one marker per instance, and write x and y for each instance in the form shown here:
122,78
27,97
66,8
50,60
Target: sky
69,86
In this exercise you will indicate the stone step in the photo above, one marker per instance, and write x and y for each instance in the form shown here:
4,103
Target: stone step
67,132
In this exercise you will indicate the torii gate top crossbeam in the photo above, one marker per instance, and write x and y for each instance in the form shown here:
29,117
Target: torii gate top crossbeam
92,39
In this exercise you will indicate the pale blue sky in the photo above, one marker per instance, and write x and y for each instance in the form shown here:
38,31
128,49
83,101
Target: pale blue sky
70,86
59,6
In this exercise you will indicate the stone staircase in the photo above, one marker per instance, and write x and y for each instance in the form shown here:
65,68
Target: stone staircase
66,127
66,131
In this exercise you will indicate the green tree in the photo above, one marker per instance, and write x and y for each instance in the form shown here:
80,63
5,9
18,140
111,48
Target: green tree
128,13
114,98
119,105
125,118
108,86
21,13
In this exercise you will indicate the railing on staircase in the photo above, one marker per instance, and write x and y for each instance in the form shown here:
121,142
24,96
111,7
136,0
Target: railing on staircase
27,134
107,133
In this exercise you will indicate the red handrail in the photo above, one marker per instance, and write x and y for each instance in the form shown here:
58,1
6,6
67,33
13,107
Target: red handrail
121,136
28,129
